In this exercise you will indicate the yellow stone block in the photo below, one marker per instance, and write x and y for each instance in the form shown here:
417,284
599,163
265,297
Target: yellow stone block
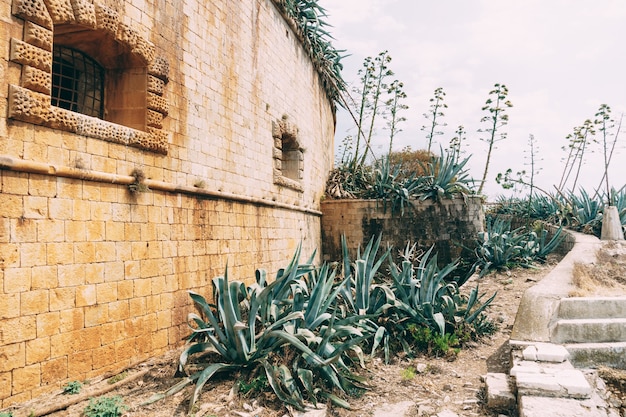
24,230
9,305
37,350
32,254
79,364
51,230
95,231
26,378
72,319
48,324
81,210
62,298
17,280
113,271
71,275
18,329
42,185
75,232
96,315
61,208
103,356
119,310
12,356
14,182
85,295
60,253
35,207
34,302
114,231
44,277
142,287
105,251
94,273
124,290
54,370
5,385
106,292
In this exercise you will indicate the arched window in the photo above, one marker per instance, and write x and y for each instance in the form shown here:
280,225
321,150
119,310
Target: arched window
77,82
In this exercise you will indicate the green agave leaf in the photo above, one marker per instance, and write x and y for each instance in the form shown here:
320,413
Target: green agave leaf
205,375
273,377
305,376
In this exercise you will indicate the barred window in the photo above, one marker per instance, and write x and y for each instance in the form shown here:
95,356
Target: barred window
77,82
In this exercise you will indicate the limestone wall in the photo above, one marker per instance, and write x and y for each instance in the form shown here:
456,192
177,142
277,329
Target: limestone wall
444,225
94,277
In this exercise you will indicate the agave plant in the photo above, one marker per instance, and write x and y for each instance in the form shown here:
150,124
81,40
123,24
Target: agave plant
447,176
249,327
426,297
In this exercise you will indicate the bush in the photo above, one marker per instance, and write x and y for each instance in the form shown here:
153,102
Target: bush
105,407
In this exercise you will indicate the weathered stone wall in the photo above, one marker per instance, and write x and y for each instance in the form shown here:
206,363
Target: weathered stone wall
442,224
93,277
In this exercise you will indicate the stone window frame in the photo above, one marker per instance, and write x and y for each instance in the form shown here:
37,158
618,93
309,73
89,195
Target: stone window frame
30,101
288,155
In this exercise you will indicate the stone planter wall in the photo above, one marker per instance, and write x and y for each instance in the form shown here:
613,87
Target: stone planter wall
447,225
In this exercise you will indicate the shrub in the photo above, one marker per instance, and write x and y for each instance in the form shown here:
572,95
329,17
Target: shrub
105,407
72,387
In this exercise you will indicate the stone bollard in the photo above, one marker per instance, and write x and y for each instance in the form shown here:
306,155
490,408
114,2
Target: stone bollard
611,225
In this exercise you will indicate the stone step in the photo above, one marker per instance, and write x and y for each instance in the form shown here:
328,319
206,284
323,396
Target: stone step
589,331
569,383
557,407
590,355
592,307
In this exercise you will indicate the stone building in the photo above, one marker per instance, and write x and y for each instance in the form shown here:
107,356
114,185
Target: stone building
143,145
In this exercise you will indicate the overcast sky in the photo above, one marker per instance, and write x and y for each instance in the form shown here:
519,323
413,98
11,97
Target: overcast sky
560,60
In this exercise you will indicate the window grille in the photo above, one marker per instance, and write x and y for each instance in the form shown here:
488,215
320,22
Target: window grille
77,82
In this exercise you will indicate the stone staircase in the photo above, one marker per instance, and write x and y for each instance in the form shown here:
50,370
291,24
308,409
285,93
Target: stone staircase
593,330
543,382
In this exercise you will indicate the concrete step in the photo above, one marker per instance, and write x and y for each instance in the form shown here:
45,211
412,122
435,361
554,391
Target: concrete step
589,331
530,406
592,307
590,355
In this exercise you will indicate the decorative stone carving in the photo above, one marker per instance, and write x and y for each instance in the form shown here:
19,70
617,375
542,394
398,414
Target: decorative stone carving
63,119
30,102
26,54
157,103
157,141
60,11
107,19
84,13
156,85
145,50
159,68
127,35
36,80
28,106
34,11
154,119
38,36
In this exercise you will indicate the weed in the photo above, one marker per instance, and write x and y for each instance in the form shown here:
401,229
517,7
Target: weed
72,387
6,414
254,385
408,374
118,377
138,185
105,407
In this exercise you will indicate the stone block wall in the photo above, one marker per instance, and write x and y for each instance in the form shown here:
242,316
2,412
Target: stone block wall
444,225
94,277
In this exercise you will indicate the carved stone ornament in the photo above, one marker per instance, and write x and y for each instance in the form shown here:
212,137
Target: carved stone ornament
31,101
